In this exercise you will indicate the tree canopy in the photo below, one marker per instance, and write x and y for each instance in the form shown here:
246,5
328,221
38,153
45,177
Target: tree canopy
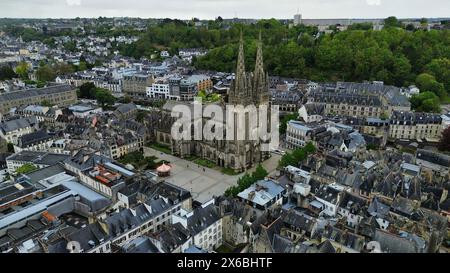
247,180
7,73
425,102
90,91
444,144
296,156
22,70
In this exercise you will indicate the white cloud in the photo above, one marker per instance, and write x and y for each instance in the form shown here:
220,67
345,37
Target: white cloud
73,2
373,2
209,9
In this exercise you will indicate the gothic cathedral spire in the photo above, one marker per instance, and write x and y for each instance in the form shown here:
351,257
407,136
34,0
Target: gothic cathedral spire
240,70
240,82
259,64
259,76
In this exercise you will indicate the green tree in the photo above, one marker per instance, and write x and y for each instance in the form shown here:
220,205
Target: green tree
7,73
424,21
46,73
296,156
71,46
259,173
22,70
140,116
427,82
309,148
444,143
247,180
440,69
82,66
104,97
425,102
401,70
391,21
10,147
286,160
87,90
63,68
410,27
285,120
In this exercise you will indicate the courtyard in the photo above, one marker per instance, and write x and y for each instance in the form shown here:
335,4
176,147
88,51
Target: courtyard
202,182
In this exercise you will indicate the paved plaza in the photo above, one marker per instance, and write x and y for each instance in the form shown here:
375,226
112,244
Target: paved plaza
202,182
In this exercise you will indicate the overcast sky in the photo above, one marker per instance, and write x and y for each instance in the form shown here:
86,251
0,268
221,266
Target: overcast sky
209,9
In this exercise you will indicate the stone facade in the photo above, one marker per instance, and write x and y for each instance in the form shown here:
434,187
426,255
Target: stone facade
61,95
248,88
135,86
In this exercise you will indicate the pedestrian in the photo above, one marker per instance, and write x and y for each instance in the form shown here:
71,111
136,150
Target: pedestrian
203,169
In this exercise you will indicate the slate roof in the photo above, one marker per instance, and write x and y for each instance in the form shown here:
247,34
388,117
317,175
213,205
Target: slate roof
378,209
46,91
140,245
125,108
436,158
353,203
345,238
391,243
328,194
119,222
412,118
41,158
172,236
298,220
84,160
346,98
89,237
264,191
403,206
15,124
281,244
33,138
202,218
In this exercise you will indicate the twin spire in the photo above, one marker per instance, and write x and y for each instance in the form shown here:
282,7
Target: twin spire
259,65
253,85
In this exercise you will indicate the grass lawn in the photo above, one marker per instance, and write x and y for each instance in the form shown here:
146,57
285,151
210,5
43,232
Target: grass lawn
211,165
161,148
190,158
205,163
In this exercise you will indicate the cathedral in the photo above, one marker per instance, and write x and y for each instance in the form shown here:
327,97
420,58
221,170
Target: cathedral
248,88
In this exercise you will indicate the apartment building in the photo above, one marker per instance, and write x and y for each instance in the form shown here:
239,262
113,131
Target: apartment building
62,95
128,143
204,224
11,130
136,85
346,104
415,126
298,134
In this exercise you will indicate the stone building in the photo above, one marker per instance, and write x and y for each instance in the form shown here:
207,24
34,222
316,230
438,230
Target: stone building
248,88
412,126
135,86
61,95
346,104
